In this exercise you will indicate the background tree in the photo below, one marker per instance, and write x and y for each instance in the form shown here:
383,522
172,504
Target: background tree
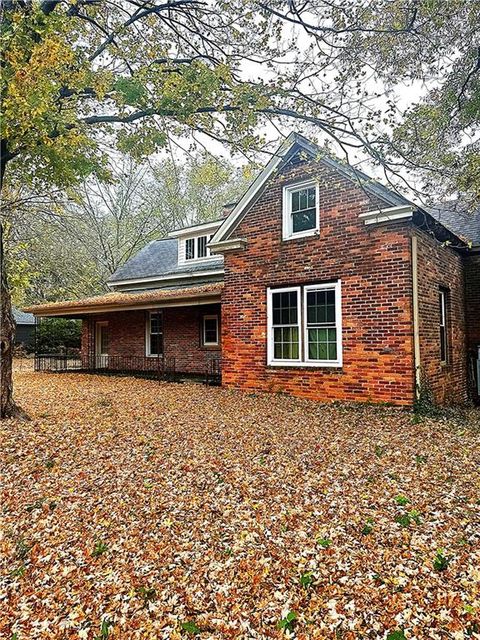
69,246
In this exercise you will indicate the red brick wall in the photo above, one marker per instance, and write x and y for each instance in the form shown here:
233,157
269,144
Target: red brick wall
441,267
374,264
182,337
472,295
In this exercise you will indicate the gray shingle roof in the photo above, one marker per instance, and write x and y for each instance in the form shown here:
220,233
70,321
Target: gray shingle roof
456,217
160,258
23,318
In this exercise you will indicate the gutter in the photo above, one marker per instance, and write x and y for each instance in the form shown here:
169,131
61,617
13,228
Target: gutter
416,322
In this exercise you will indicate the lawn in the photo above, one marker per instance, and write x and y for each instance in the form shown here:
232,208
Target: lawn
137,509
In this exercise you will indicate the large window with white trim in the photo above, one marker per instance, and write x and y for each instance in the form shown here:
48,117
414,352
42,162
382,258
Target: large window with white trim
154,337
305,325
300,210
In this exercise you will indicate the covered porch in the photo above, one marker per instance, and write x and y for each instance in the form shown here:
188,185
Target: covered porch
166,333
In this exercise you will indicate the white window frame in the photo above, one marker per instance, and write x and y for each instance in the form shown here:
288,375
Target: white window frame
196,257
303,360
148,334
287,226
212,316
270,329
442,294
337,287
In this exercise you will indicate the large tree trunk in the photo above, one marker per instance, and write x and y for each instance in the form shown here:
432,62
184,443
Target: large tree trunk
8,408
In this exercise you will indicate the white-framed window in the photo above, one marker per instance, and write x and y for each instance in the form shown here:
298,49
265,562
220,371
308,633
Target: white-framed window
196,248
301,210
210,330
442,299
305,325
154,334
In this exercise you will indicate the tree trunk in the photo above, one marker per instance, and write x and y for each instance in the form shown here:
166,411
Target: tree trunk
8,408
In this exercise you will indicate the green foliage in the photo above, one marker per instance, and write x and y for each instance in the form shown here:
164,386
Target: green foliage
408,518
104,630
56,335
396,635
191,627
99,549
368,527
288,623
306,579
401,500
324,542
380,450
441,561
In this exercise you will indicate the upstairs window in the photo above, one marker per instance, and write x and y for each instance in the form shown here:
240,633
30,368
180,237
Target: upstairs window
442,299
300,210
304,325
196,248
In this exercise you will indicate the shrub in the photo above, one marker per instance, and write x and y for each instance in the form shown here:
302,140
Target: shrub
58,335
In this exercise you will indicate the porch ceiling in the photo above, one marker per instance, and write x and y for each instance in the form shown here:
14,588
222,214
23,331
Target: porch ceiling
117,301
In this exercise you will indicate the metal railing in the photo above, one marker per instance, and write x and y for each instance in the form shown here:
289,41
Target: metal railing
163,367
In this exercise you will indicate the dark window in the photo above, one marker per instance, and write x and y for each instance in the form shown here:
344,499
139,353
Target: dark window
190,249
202,247
155,334
210,330
285,325
303,209
442,299
321,325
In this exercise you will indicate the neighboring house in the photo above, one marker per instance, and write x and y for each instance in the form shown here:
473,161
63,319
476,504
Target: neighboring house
24,328
320,283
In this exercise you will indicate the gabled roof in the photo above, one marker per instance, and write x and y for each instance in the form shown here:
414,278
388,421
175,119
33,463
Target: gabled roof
21,317
293,144
159,259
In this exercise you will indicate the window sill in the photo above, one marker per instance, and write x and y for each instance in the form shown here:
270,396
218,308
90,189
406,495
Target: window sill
210,347
302,234
153,355
306,365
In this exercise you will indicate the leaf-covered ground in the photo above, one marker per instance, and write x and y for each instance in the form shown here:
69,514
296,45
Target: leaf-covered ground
138,509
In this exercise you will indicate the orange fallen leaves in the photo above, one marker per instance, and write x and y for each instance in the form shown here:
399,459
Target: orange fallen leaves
137,510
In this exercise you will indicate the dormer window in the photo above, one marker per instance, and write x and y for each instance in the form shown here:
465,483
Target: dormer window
300,210
196,248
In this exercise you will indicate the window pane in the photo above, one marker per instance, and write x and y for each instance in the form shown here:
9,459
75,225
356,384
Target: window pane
284,308
155,323
156,344
201,247
322,344
320,307
285,343
190,249
303,221
210,327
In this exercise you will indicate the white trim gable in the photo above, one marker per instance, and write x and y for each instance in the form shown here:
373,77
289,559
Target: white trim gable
260,181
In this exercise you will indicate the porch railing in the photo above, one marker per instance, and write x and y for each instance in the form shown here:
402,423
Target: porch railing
139,365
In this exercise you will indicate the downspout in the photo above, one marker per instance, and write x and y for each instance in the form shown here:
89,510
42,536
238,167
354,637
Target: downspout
416,324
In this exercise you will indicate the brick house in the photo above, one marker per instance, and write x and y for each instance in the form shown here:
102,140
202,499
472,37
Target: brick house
320,282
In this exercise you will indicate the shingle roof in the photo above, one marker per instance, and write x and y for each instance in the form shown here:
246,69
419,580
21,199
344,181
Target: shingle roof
21,317
160,258
117,300
456,217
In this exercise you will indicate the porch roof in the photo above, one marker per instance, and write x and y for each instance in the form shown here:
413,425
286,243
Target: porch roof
117,301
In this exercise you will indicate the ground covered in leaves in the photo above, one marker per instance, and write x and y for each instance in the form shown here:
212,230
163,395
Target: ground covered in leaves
137,509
